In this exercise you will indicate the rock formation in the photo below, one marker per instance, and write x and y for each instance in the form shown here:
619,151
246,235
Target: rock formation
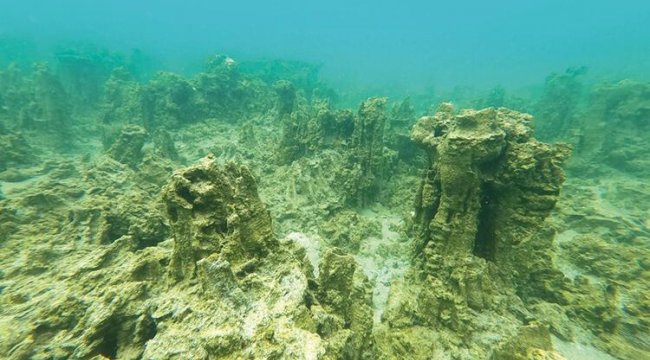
164,145
489,184
127,148
487,190
216,210
15,151
617,131
222,286
361,176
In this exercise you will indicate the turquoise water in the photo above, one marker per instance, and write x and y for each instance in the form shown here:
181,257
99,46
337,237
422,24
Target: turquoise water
413,44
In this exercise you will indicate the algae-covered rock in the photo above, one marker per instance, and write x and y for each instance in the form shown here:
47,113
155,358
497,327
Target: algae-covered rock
304,75
315,126
241,294
223,237
169,100
127,148
51,106
616,129
122,99
309,129
223,92
15,151
401,118
164,145
347,229
303,127
557,110
601,303
361,177
487,190
554,316
286,94
118,256
532,342
489,185
346,292
172,101
215,208
83,70
36,101
8,221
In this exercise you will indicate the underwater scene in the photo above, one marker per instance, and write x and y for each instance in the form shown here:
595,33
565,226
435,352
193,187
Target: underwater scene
325,180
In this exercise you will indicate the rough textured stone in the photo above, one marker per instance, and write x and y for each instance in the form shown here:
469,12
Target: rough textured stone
489,184
361,178
487,190
164,145
127,148
347,293
215,208
15,151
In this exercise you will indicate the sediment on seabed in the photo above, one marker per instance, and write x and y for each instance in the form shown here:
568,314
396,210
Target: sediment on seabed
234,215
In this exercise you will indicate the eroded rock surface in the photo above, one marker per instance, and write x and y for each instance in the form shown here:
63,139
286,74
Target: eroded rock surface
215,209
365,164
488,189
223,286
489,185
127,148
111,253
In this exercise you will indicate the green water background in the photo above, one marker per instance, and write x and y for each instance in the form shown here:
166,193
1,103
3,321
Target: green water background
405,47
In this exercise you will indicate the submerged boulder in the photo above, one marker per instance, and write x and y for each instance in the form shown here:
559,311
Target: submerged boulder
221,285
488,187
15,151
258,297
215,208
364,167
489,184
127,148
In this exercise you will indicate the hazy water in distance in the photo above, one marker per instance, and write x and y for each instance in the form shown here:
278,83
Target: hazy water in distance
406,44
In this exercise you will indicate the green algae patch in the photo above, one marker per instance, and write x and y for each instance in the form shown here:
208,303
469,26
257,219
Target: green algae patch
314,231
488,189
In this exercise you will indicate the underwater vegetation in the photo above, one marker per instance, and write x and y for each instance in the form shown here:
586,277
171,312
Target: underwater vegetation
242,213
557,107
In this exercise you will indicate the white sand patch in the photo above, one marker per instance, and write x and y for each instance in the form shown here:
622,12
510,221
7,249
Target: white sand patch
382,259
